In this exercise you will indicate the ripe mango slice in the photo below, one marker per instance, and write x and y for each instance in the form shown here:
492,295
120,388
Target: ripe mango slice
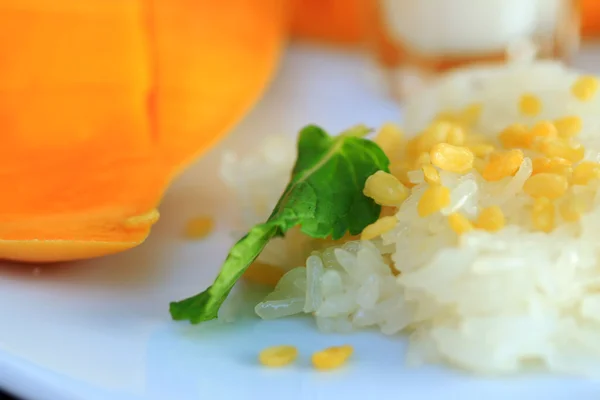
103,102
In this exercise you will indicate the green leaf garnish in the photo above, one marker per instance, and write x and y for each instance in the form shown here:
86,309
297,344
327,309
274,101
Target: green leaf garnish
324,197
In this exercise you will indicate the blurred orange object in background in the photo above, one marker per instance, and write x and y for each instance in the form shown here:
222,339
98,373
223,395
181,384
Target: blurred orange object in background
343,22
103,102
590,18
351,21
337,21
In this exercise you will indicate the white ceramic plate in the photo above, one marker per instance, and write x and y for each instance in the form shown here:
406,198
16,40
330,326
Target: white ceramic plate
101,330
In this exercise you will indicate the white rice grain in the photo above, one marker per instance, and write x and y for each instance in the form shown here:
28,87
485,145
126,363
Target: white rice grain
486,302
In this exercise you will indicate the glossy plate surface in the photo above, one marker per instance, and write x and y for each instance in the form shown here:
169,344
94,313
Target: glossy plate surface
101,330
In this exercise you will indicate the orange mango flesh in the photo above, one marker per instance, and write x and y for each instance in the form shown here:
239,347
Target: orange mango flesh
102,102
207,64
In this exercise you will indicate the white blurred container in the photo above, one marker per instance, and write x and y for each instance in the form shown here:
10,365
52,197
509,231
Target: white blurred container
425,37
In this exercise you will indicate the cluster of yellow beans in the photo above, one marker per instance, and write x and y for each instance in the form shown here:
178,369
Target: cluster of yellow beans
329,358
451,144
